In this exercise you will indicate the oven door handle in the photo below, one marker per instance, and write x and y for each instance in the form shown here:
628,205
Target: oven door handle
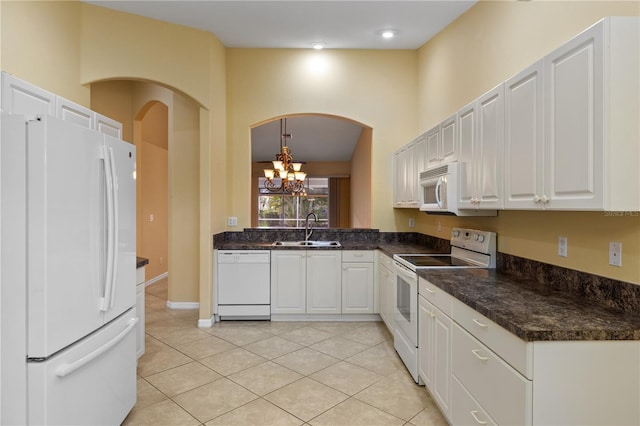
404,271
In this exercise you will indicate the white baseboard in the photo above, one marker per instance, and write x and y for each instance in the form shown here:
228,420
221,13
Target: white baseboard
156,278
183,305
206,323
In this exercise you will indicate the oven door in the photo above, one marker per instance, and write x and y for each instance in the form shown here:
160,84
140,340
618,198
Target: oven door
406,308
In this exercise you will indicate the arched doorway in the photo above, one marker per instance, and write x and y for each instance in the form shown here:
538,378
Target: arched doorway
129,102
335,150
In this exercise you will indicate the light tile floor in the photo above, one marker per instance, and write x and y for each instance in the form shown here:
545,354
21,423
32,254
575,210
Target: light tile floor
272,373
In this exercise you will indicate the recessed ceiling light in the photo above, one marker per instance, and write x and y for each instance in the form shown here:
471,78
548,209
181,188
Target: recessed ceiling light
387,34
318,45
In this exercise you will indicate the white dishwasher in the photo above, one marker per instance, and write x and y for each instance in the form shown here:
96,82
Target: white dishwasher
244,284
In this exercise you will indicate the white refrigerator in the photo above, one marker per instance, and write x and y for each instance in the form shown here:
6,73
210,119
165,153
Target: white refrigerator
68,274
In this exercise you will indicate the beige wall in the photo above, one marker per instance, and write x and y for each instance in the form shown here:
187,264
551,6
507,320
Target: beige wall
374,88
485,46
361,186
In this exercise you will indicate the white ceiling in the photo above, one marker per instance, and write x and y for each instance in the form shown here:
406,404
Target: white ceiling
339,24
313,138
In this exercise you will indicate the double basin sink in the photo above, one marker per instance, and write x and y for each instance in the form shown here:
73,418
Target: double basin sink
307,244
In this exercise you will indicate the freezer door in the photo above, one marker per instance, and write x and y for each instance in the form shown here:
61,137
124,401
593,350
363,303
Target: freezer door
92,382
122,291
65,212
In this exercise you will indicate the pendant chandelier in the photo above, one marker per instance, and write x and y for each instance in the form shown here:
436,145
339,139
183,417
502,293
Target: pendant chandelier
286,176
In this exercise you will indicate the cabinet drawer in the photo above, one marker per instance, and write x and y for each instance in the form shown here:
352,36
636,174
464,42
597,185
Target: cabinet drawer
440,298
515,351
357,256
385,261
503,393
466,411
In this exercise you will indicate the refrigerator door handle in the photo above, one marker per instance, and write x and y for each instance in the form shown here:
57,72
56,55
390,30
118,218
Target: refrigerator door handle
116,227
108,178
66,369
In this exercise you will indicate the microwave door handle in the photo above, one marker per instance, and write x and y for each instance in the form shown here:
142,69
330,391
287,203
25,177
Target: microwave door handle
438,186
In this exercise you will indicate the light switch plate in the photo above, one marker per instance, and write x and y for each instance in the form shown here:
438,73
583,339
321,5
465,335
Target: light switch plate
232,221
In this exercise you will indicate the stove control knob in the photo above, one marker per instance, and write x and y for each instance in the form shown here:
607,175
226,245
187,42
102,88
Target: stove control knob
481,238
476,237
456,234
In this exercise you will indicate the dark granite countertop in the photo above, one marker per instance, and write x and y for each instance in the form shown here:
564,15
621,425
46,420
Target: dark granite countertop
387,248
532,311
141,261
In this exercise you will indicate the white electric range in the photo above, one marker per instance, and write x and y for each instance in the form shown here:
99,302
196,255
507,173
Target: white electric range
470,248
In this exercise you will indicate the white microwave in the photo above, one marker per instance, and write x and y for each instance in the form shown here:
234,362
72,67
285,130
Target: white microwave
439,188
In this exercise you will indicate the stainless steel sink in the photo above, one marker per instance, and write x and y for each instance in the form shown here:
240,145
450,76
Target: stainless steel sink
307,243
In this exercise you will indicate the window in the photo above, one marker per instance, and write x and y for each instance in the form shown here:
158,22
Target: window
290,211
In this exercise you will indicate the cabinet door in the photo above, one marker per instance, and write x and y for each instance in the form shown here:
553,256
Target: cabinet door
425,342
468,135
411,176
398,178
288,279
323,282
433,147
449,140
420,164
489,158
441,383
574,139
524,139
357,288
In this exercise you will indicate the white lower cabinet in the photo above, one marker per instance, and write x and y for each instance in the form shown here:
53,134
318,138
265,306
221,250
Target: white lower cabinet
490,376
140,279
434,359
466,410
288,281
386,278
357,282
324,282
498,388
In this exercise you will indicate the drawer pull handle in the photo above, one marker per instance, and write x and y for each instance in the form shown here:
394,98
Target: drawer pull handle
475,417
429,290
476,352
479,323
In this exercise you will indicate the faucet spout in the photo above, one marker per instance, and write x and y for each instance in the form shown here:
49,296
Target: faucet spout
307,229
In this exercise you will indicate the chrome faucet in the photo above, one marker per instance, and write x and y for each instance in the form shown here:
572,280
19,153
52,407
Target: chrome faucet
307,230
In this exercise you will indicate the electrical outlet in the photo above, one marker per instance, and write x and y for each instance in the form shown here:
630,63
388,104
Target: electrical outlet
151,218
615,254
232,221
412,222
161,260
562,246
439,227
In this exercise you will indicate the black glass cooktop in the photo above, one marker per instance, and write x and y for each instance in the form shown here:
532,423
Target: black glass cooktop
436,261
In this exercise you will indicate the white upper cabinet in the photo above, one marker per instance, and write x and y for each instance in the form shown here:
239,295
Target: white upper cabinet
524,139
20,97
407,164
441,143
481,152
572,128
